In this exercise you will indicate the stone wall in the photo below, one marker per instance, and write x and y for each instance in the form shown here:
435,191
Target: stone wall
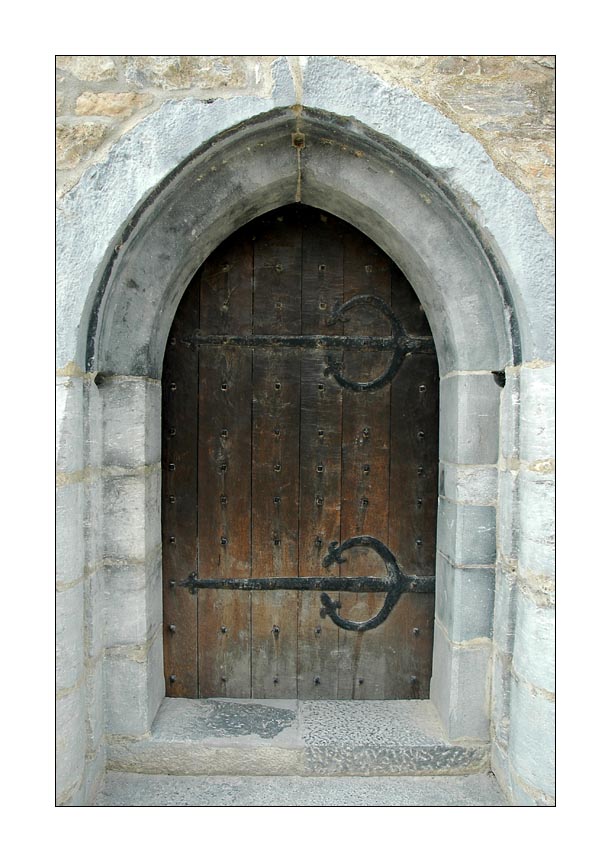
124,123
507,103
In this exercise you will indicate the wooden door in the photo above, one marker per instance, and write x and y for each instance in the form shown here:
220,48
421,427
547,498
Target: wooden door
291,421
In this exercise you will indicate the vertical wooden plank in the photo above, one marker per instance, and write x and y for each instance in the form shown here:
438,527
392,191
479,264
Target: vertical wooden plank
413,488
320,452
225,389
365,471
275,454
179,500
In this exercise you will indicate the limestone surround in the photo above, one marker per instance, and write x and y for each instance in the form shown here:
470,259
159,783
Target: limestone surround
131,233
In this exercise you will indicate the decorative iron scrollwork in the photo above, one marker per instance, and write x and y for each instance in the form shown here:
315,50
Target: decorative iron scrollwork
399,342
394,585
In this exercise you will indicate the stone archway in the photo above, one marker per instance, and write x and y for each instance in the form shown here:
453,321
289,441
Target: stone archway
356,175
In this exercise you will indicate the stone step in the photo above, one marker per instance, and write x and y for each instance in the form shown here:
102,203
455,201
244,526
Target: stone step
134,789
296,738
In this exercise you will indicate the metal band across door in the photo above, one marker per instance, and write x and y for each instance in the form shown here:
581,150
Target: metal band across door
300,408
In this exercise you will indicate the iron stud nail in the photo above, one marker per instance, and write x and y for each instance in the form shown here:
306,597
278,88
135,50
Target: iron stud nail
366,432
172,387
172,341
322,267
276,680
321,387
321,433
278,305
224,433
224,629
277,432
279,267
364,502
277,468
421,434
223,499
416,632
419,501
319,468
223,468
420,470
277,501
317,630
172,677
275,631
316,680
319,501
422,388
418,542
277,386
361,680
365,468
172,498
172,540
172,628
224,387
223,679
318,542
224,540
413,679
172,466
172,584
172,432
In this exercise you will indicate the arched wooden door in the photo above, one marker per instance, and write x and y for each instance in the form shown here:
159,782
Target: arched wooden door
300,408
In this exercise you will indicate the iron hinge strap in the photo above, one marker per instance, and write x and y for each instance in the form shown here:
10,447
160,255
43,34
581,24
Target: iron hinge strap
397,583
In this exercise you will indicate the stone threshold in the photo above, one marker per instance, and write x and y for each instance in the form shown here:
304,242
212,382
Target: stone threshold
127,789
225,737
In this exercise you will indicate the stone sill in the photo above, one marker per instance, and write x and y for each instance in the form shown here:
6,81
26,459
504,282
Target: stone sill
288,737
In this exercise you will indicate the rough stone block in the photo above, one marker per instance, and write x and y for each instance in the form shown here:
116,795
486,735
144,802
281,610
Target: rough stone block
186,72
534,650
133,602
460,687
504,608
469,423
510,415
70,743
132,421
538,417
474,485
76,143
465,599
508,514
111,104
68,424
531,741
88,68
69,539
69,636
132,515
466,534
